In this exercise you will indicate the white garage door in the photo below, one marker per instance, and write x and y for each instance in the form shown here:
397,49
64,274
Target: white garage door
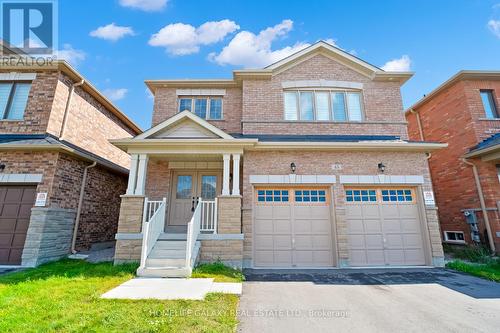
384,227
292,228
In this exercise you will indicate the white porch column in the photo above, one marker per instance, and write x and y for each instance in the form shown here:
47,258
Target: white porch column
141,174
225,174
236,174
132,176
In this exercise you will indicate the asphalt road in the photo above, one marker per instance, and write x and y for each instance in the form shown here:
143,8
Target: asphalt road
416,300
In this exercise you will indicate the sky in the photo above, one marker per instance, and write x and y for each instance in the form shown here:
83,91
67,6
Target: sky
117,44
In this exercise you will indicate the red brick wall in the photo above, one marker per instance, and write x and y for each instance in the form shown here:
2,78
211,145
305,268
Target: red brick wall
89,124
36,115
456,116
166,106
257,107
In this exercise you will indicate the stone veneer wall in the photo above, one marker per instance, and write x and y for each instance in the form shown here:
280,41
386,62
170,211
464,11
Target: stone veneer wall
49,235
230,252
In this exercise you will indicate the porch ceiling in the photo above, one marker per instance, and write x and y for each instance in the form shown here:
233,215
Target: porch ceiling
186,157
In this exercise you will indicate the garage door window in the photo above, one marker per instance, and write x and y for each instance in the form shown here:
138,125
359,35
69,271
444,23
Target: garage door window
310,196
361,195
272,196
403,195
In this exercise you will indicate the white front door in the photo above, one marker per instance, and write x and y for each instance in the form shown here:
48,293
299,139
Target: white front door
188,187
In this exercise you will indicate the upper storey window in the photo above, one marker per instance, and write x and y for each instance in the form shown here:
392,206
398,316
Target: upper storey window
323,105
13,99
489,104
209,108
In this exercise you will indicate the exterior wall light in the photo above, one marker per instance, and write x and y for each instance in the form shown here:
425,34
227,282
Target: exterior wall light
381,167
293,167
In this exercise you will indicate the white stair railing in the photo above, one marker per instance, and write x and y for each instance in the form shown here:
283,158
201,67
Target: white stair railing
193,230
153,223
209,216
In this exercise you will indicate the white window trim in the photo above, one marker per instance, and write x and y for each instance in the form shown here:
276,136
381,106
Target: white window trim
207,113
298,91
445,237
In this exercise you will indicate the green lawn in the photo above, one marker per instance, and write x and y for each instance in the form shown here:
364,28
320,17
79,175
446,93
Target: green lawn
490,270
219,272
64,297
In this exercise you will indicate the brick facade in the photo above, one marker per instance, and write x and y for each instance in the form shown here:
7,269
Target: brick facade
455,115
89,126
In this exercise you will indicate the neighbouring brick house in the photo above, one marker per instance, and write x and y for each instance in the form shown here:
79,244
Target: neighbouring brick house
305,163
54,127
464,112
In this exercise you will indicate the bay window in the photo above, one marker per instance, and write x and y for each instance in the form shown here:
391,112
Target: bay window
204,107
323,105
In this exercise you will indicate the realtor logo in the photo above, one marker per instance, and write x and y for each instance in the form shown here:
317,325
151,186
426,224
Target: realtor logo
28,27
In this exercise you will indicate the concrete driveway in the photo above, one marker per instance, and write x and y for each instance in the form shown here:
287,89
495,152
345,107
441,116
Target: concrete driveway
396,300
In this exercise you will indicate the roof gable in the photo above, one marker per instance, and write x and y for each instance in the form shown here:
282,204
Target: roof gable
185,125
327,50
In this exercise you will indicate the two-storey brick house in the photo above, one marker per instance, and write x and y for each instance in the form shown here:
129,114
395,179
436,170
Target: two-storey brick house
305,163
464,112
60,178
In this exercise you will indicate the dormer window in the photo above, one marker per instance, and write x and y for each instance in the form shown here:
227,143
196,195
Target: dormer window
13,99
323,105
209,108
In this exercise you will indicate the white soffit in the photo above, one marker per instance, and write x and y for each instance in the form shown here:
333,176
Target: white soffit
201,92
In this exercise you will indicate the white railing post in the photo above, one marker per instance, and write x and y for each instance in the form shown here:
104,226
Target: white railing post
153,221
215,215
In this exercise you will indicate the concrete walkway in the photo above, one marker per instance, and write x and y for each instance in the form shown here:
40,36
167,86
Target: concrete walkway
170,289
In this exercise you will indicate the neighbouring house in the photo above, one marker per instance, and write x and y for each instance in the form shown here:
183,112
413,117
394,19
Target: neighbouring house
464,112
305,163
57,167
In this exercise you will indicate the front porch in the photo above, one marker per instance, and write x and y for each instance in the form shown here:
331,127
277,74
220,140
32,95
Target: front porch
181,209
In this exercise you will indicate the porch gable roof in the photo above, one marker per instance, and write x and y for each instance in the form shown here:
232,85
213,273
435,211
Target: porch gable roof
197,124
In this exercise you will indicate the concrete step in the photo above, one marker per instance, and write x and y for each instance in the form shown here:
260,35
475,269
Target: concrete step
174,245
173,236
167,253
165,262
164,272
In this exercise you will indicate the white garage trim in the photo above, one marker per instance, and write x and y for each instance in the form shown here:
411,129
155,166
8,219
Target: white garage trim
292,179
381,179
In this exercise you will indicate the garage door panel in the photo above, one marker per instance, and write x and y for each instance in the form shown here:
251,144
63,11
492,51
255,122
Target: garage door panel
263,226
6,240
300,235
385,231
25,211
14,195
389,211
282,226
355,226
283,258
282,242
374,242
372,226
7,225
10,210
375,257
22,225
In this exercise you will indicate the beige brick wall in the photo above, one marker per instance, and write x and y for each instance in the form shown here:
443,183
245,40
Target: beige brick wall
229,213
131,210
127,251
227,251
353,163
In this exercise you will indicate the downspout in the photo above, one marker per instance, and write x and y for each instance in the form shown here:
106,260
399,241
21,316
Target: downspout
419,123
66,108
80,204
482,203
